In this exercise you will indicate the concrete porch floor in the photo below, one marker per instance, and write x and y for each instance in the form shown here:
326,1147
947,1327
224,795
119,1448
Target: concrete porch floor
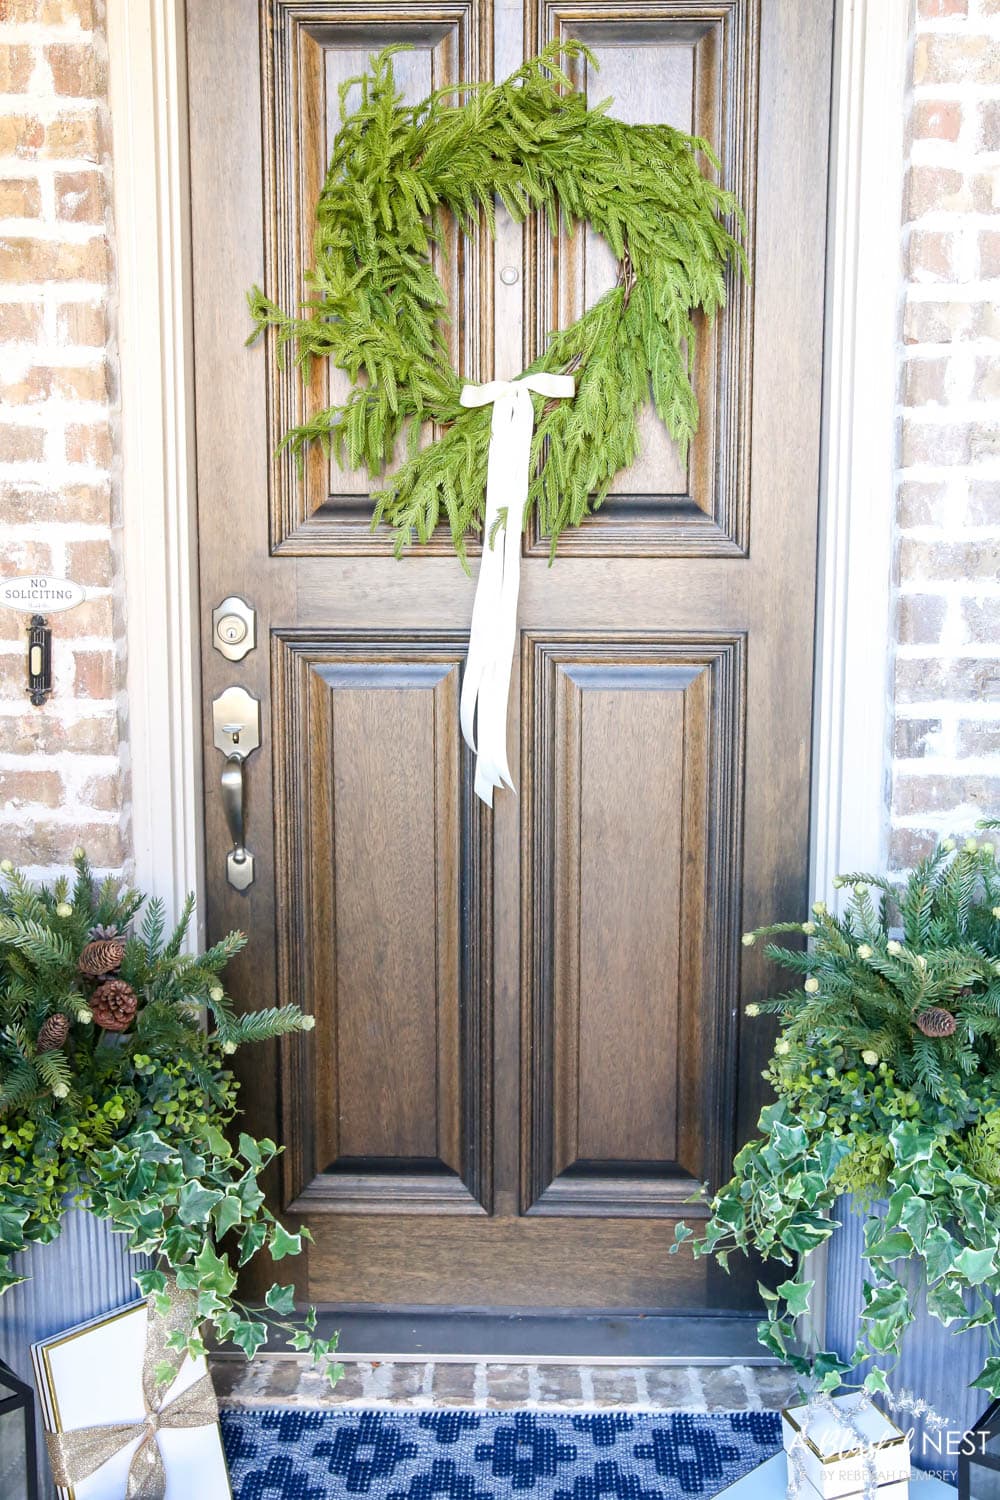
275,1380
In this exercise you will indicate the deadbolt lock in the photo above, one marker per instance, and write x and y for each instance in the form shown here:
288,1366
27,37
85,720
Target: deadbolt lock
234,628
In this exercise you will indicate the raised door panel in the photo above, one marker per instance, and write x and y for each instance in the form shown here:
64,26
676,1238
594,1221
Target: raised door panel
384,885
691,64
632,853
311,51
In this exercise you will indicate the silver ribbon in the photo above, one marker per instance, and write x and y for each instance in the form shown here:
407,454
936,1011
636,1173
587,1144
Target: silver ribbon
486,684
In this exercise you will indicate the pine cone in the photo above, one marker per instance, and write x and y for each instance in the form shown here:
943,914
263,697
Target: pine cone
102,956
114,1004
98,933
936,1022
52,1033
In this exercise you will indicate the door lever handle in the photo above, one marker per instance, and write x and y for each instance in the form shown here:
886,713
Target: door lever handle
232,802
236,718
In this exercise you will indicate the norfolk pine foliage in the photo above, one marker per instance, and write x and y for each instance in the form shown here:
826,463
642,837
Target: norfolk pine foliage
135,1126
377,309
868,1103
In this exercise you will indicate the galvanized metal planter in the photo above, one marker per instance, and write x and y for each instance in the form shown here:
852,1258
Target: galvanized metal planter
936,1365
85,1272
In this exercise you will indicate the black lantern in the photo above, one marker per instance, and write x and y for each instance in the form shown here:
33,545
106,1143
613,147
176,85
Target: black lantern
18,1459
979,1458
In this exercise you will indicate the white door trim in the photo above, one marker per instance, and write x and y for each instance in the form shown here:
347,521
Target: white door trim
149,118
147,80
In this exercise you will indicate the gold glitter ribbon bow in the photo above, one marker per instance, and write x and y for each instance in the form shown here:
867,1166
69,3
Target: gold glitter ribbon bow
77,1454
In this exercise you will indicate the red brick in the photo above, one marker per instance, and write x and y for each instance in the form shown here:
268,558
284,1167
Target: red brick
981,618
20,445
49,12
89,443
48,735
920,503
930,255
935,443
75,69
20,198
102,793
910,737
937,119
75,134
989,125
989,253
95,674
22,557
986,378
21,135
978,737
24,503
80,197
950,57
929,10
939,322
942,793
955,680
919,619
80,382
24,788
33,385
946,561
931,188
16,64
53,844
21,321
908,846
82,323
983,508
924,381
94,617
90,563
30,260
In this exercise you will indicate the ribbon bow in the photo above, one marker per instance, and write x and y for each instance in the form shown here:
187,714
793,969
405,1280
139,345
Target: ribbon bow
486,684
76,1454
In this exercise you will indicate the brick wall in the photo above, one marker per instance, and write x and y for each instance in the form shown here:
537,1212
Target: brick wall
57,481
60,775
946,751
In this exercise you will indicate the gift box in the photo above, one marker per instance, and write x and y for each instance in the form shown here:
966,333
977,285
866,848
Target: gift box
833,1443
107,1418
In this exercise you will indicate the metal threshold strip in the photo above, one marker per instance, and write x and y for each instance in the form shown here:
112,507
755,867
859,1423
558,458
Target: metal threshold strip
521,1336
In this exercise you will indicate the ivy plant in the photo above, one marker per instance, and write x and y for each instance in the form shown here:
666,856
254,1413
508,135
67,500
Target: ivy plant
886,1072
116,1095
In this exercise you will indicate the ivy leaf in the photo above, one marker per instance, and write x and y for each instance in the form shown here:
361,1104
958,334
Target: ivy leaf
939,1250
875,1381
213,1272
252,1240
988,1378
974,1265
250,1336
283,1243
227,1214
796,1295
281,1299
196,1203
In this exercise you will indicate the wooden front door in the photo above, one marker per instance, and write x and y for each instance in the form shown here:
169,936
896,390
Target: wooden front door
528,1045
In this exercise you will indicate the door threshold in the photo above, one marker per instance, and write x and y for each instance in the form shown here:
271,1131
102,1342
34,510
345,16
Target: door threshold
523,1336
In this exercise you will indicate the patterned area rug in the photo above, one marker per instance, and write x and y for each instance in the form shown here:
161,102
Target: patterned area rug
309,1454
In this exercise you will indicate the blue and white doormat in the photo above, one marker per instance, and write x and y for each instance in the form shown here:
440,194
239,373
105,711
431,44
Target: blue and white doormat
310,1454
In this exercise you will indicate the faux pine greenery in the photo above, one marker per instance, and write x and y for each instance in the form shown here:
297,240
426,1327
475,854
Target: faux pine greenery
886,1071
377,309
115,1095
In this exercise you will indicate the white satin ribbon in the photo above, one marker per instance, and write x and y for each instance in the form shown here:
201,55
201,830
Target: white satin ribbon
493,636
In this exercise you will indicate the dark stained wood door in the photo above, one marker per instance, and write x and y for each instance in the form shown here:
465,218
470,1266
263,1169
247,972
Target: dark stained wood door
528,1046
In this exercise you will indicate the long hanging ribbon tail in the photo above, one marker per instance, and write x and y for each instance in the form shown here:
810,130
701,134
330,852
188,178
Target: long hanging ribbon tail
492,639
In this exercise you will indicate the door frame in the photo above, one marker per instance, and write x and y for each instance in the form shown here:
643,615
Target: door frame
147,91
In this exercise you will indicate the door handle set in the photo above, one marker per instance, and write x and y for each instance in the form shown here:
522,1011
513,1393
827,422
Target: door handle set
236,722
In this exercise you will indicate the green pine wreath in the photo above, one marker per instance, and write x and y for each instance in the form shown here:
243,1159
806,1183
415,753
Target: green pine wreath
377,308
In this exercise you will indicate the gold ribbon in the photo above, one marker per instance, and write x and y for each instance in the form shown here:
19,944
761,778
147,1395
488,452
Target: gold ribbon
77,1454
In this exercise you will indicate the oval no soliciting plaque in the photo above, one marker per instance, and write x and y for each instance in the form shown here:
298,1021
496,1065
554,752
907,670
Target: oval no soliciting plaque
39,595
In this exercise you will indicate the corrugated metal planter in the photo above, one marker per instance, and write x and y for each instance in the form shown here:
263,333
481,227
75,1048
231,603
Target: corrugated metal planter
936,1364
87,1271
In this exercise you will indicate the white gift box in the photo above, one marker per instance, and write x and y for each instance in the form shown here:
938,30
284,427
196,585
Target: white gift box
91,1376
834,1462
